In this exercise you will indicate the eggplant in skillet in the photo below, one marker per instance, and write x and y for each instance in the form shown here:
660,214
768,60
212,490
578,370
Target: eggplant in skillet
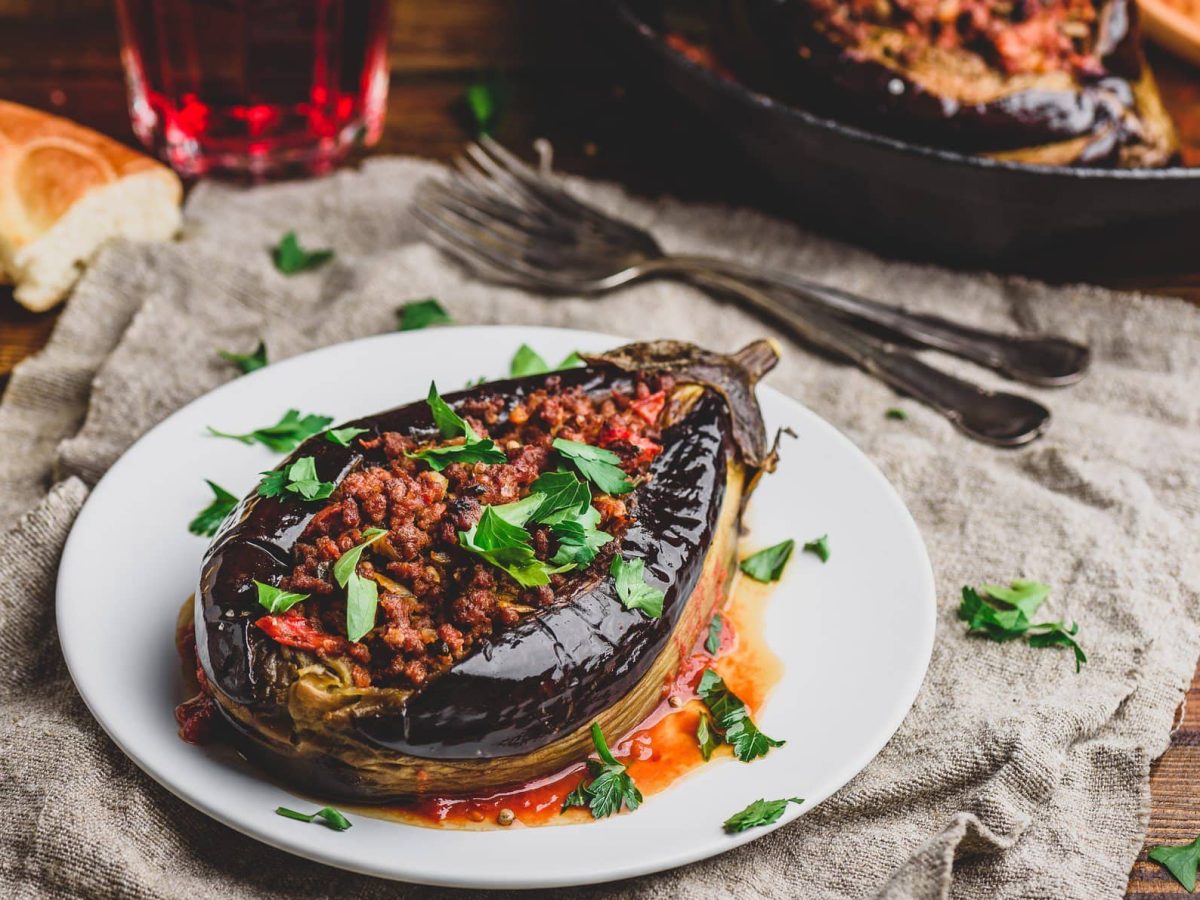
481,667
1055,82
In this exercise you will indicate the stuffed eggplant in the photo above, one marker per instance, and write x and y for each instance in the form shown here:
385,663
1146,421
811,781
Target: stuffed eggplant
447,599
1056,82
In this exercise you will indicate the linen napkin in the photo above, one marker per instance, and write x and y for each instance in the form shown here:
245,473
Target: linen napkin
1012,775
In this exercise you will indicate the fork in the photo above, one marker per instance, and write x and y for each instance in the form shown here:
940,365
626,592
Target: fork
508,222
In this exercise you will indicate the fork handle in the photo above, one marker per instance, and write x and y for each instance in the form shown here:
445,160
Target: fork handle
997,418
1042,360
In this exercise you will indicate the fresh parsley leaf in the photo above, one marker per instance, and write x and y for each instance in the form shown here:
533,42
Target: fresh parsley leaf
209,519
451,425
299,478
247,362
713,642
896,413
421,314
362,594
274,600
1180,861
760,812
819,546
767,565
732,717
564,497
506,546
599,466
611,786
1005,614
519,511
578,542
291,258
329,816
285,435
527,361
485,103
707,737
632,589
343,436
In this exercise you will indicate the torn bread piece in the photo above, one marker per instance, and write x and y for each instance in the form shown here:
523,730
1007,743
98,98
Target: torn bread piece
64,191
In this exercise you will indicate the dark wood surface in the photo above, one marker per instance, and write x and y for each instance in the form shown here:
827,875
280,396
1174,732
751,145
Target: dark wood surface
564,84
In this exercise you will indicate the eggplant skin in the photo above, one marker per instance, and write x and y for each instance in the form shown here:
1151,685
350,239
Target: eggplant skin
521,705
953,98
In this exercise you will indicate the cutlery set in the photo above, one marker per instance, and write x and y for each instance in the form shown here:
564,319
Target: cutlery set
511,223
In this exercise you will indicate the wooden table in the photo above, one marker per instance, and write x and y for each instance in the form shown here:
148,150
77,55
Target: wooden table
61,55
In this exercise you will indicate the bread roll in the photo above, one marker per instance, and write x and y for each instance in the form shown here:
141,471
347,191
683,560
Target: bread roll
64,191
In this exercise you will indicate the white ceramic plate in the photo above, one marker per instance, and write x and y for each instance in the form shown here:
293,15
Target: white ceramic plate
130,562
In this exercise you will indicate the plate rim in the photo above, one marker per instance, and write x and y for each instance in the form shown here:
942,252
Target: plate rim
854,764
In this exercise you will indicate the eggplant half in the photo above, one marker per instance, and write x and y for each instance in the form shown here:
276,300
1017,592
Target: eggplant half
520,704
1052,82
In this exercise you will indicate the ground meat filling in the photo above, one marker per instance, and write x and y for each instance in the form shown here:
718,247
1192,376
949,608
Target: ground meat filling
436,600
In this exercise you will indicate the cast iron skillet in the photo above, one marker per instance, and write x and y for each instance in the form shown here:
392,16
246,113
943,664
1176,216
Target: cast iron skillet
922,202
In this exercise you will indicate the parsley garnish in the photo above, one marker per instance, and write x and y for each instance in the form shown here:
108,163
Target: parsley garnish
421,314
578,540
610,787
732,717
1180,861
247,362
291,258
485,102
713,643
819,546
209,519
896,413
1006,613
362,594
299,478
632,589
599,466
274,600
706,737
564,497
506,546
527,361
767,565
328,816
451,425
343,436
285,435
760,812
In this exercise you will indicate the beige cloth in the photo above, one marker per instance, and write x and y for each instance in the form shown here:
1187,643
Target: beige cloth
1012,776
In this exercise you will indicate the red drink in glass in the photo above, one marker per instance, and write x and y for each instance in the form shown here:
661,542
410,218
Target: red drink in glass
263,87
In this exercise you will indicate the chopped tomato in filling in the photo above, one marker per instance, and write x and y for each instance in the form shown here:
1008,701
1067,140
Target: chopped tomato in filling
437,600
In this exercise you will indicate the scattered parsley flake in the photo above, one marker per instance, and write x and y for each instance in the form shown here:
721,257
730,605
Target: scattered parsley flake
506,546
299,478
421,314
632,589
362,594
896,413
1006,613
527,361
328,816
707,737
343,436
820,547
209,519
290,258
285,435
274,600
760,812
564,497
713,642
451,426
767,565
485,103
247,362
733,719
611,786
1180,861
599,466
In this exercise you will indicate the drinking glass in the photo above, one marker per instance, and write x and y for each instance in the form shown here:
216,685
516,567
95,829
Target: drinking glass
258,87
